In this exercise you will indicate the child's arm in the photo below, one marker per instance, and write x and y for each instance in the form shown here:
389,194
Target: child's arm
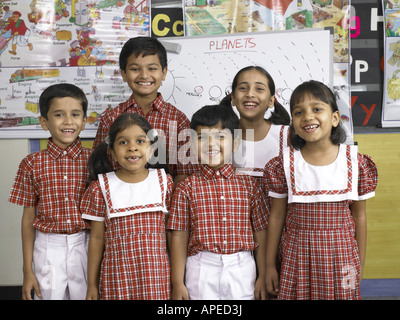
260,290
28,240
95,256
358,211
275,226
179,242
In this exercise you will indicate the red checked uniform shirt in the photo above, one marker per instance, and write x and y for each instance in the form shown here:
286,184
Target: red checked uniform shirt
53,181
222,210
163,117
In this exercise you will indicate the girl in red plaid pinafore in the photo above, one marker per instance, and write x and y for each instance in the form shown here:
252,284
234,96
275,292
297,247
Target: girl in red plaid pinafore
319,187
128,208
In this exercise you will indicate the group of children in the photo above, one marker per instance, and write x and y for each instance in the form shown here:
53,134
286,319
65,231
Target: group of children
274,204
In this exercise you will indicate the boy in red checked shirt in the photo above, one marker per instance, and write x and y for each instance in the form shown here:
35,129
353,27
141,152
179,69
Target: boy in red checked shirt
218,219
143,64
49,185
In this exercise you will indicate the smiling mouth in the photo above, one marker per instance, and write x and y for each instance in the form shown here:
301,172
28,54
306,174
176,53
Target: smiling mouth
68,131
250,105
133,158
311,128
145,84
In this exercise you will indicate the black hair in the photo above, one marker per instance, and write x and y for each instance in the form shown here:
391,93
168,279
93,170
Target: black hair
211,115
280,115
142,46
321,92
61,90
100,162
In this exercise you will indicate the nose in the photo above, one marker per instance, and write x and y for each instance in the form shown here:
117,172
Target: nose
251,93
143,72
68,119
308,115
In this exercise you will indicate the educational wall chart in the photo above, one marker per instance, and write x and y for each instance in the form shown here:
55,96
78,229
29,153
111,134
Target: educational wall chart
201,69
43,42
236,16
391,91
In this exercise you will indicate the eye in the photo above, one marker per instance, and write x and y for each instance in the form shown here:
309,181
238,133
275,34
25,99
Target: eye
296,113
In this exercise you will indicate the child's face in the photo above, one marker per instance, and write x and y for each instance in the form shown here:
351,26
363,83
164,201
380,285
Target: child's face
252,96
313,120
132,150
65,120
144,75
214,145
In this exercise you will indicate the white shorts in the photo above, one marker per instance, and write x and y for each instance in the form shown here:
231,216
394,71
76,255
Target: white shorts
60,264
212,276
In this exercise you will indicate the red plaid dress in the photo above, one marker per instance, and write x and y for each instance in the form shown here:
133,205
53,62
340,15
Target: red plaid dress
320,258
53,181
222,210
135,263
164,117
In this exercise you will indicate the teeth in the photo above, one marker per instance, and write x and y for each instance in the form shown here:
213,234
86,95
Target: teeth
314,126
144,83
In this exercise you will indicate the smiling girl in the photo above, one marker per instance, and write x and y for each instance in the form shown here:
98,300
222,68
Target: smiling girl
127,256
319,189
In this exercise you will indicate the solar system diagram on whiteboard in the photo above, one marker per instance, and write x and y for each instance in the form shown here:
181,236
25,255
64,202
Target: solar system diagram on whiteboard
201,69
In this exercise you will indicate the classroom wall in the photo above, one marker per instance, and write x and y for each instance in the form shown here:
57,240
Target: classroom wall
12,152
383,211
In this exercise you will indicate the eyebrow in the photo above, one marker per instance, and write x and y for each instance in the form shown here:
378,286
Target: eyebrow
62,110
257,82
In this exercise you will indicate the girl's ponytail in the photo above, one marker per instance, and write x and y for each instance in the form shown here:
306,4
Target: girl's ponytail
99,162
280,115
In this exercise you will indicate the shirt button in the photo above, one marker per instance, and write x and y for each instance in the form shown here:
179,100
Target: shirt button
222,197
68,221
224,219
65,177
224,242
66,198
65,152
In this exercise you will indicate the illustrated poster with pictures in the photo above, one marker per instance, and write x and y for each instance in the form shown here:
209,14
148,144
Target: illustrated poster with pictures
44,42
391,88
204,17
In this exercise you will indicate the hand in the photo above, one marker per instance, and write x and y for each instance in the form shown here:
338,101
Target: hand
272,281
260,290
180,292
30,282
92,293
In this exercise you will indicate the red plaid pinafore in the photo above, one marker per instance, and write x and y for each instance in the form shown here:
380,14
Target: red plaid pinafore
135,263
320,257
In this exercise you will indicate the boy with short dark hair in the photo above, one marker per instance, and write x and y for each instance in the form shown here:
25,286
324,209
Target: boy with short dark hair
143,64
218,219
49,185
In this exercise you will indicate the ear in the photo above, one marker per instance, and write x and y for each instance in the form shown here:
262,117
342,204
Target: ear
83,123
43,123
236,143
335,119
123,74
271,101
165,71
232,100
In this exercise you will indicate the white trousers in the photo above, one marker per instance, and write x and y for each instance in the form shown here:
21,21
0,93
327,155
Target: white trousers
60,264
212,276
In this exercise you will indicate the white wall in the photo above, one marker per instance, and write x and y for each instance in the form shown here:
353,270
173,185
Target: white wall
12,152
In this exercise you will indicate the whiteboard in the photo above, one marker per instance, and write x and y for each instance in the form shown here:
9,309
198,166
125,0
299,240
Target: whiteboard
201,69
